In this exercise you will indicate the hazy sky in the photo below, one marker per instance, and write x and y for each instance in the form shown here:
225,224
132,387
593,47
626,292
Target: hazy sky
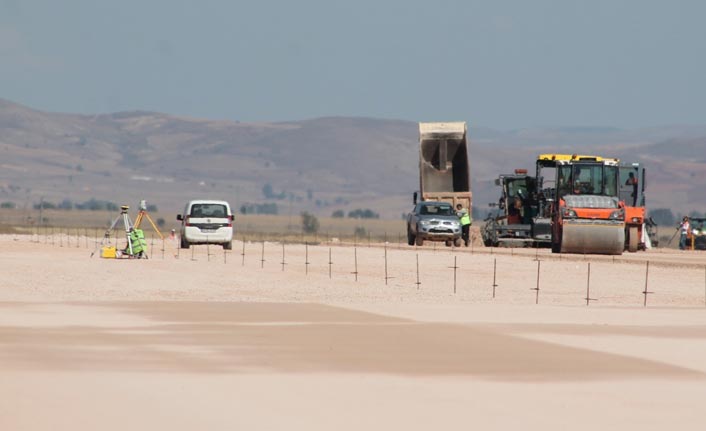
504,64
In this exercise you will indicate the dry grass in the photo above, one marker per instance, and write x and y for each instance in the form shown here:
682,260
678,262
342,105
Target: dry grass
279,227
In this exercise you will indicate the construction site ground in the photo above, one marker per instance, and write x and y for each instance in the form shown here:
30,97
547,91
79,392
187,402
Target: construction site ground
333,336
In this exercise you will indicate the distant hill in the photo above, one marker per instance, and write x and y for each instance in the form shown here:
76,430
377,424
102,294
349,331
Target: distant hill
318,165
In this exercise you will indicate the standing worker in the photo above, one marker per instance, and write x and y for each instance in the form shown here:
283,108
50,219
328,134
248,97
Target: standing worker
685,231
174,243
632,181
465,219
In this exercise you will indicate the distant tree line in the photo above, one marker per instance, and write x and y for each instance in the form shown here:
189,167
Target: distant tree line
89,205
270,208
359,213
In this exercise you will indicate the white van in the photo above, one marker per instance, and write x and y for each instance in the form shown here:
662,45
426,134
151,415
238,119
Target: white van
207,222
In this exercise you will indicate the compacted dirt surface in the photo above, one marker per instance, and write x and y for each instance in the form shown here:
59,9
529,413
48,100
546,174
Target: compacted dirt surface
333,336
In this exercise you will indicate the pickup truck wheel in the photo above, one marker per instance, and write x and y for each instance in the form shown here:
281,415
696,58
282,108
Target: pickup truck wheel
449,243
184,243
410,237
419,241
457,242
228,245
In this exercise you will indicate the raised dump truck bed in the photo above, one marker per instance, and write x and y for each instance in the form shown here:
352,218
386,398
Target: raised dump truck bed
443,163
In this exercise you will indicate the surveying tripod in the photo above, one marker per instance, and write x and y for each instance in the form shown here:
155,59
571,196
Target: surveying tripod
142,214
127,224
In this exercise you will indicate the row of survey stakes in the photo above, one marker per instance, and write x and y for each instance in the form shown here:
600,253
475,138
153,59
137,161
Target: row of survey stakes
170,247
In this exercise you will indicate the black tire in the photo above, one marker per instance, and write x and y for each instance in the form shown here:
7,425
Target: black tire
448,243
458,242
633,239
184,243
419,241
410,237
228,245
556,247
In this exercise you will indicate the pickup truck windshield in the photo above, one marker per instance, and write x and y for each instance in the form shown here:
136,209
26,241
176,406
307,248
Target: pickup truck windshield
441,210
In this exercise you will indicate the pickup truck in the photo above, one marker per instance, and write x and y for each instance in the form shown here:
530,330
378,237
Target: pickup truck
433,221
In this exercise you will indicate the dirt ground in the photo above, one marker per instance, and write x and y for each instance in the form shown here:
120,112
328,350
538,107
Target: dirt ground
333,336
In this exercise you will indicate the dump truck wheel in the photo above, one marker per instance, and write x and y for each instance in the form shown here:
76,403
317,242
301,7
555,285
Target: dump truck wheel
633,239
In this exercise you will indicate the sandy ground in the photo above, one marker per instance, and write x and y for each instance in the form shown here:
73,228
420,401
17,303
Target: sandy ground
350,341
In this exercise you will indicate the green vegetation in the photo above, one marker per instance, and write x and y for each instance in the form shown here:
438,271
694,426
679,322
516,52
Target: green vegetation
310,224
259,209
363,213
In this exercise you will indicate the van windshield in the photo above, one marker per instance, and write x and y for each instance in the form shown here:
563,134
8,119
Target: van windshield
209,210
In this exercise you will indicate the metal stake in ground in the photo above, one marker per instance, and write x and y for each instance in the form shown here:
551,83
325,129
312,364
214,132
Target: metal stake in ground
386,277
588,286
283,261
646,292
262,256
243,252
306,258
455,267
330,262
355,262
418,282
536,299
495,266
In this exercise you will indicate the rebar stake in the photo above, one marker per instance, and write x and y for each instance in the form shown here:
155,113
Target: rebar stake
355,262
262,256
306,258
386,277
330,262
588,286
646,292
243,252
283,261
455,267
495,264
418,283
536,299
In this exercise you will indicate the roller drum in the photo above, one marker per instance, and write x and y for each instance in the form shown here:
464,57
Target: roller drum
593,237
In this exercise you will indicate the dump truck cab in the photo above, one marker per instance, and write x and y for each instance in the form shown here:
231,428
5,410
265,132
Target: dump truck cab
579,196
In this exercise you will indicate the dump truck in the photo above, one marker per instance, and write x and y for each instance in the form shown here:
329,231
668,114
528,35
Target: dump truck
443,164
640,231
578,198
511,223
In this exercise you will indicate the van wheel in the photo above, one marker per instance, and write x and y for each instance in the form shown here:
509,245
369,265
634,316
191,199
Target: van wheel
228,245
184,243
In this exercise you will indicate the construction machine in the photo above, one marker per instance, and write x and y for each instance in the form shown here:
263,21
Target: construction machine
443,164
512,224
578,199
640,231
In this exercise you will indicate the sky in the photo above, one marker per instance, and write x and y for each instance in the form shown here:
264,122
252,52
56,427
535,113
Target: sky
504,64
